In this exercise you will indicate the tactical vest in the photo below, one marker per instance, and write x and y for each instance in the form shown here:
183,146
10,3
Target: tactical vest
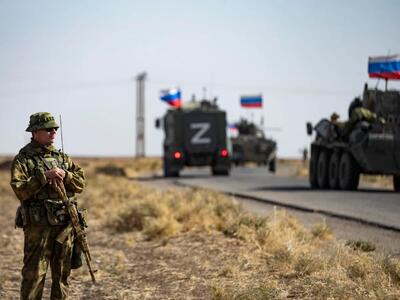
36,163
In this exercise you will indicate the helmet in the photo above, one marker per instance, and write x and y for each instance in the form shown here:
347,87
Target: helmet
334,116
356,103
41,120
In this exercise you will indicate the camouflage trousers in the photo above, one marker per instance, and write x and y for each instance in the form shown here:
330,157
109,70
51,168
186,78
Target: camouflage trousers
40,249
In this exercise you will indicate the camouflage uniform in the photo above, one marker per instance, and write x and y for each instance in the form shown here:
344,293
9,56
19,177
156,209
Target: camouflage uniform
361,114
43,217
337,126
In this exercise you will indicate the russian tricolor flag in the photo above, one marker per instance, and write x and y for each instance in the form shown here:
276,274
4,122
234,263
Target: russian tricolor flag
232,126
386,67
172,97
251,101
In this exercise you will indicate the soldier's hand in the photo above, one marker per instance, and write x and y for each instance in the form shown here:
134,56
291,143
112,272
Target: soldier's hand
54,181
55,173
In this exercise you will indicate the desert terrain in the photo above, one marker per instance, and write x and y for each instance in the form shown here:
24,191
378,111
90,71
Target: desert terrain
150,243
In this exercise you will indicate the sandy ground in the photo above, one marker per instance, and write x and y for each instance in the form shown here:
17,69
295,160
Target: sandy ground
129,266
189,265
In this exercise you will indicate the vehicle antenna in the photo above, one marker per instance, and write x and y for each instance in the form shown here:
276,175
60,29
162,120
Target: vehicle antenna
62,139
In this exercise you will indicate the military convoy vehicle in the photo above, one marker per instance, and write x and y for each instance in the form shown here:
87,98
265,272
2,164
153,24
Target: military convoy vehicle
369,143
251,145
195,135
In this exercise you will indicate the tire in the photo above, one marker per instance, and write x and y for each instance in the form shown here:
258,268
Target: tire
272,165
396,183
167,170
333,171
349,172
224,172
312,172
238,154
322,170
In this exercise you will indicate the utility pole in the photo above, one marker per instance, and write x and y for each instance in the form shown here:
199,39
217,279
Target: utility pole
140,142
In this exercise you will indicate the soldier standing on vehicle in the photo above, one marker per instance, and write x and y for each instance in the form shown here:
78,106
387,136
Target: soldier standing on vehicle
338,126
35,170
359,114
356,103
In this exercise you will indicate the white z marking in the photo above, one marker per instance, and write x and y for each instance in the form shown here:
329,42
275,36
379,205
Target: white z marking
198,137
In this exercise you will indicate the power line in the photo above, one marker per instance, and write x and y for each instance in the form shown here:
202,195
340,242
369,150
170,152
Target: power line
271,89
74,86
173,82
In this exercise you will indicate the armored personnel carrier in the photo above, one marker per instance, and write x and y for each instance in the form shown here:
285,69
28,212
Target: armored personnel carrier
251,145
195,135
369,143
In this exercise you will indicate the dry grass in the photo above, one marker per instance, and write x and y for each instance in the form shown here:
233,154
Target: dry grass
198,244
128,167
296,167
378,181
365,246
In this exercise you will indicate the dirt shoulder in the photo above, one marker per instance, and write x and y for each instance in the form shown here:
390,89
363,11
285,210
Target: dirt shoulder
344,230
386,241
151,243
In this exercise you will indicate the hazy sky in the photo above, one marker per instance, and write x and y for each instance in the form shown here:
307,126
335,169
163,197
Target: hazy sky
79,58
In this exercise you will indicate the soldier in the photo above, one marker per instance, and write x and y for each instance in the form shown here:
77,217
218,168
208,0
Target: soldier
334,117
356,103
35,170
338,126
305,155
362,114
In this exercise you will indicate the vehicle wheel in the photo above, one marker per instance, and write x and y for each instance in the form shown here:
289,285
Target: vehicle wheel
312,172
322,170
167,170
225,172
333,173
272,165
220,172
349,172
396,183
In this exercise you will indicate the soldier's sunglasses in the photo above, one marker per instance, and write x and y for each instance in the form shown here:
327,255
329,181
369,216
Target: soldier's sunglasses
51,129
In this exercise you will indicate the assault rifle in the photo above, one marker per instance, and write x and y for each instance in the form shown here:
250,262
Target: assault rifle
73,214
80,233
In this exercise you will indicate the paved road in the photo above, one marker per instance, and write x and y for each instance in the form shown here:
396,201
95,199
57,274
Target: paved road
370,205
